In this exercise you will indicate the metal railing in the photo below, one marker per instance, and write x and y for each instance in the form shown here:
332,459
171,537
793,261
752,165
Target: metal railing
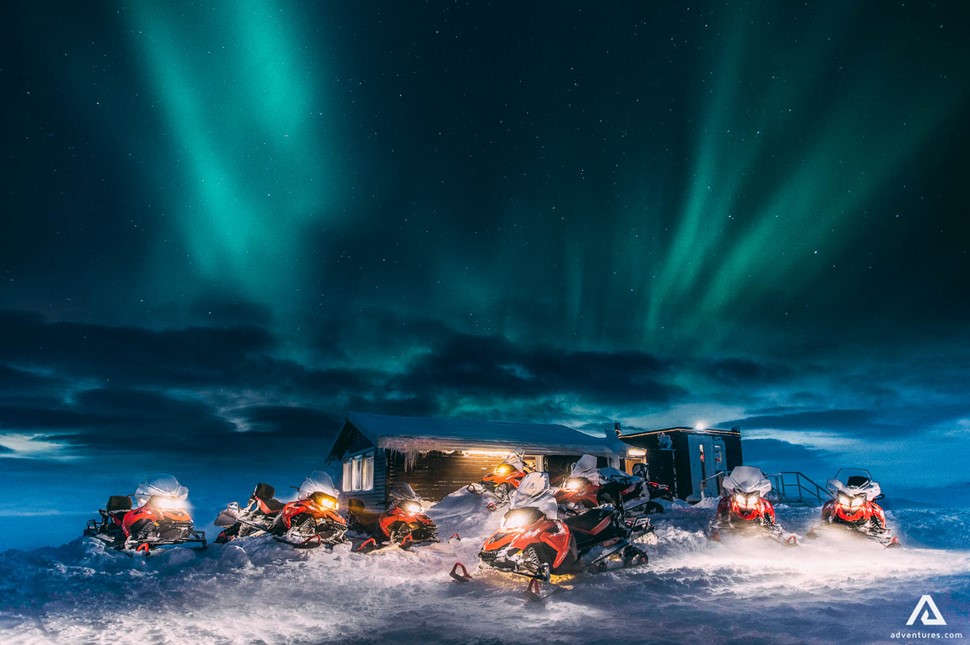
719,476
796,489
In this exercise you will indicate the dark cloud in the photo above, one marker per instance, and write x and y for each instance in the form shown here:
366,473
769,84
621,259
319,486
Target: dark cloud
121,421
805,420
756,450
130,355
191,358
203,389
743,371
15,382
291,421
491,366
43,415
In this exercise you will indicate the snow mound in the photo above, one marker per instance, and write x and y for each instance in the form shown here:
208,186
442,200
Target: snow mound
465,513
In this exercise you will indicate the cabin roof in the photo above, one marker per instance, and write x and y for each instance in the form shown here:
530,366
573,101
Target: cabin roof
406,434
735,431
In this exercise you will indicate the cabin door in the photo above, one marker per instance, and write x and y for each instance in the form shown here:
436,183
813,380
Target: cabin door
707,461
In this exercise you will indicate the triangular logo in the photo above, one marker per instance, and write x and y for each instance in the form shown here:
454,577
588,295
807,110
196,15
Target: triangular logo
927,602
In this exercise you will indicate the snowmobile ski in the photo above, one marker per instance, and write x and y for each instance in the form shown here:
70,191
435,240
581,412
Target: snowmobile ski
537,590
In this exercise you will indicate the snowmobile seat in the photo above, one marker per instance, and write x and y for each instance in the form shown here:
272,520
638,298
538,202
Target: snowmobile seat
264,492
592,526
273,504
857,481
118,503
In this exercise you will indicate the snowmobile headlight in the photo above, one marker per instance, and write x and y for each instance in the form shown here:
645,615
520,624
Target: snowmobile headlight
573,484
166,502
844,500
856,502
411,506
520,517
746,501
324,501
503,469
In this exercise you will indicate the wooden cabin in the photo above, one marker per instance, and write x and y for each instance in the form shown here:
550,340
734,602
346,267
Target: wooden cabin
692,461
439,456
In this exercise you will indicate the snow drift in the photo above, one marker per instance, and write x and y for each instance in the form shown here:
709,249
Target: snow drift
260,591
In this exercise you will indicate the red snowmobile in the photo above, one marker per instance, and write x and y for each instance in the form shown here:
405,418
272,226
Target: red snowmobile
256,518
160,519
500,483
853,506
659,491
535,543
404,523
745,507
312,520
589,487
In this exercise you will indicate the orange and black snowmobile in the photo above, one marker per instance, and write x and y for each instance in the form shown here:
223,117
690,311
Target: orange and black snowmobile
312,520
160,519
504,479
533,542
255,518
404,523
853,506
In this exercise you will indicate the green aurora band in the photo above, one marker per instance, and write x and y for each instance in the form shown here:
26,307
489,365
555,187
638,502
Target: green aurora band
785,179
241,102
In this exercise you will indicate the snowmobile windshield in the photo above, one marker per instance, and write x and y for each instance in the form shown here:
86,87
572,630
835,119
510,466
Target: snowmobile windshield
854,482
586,467
161,485
747,480
612,474
317,481
402,491
534,491
519,518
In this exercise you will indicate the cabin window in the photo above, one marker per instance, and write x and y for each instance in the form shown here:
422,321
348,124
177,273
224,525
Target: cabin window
358,473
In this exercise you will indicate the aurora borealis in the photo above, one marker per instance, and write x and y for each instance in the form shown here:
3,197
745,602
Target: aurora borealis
228,224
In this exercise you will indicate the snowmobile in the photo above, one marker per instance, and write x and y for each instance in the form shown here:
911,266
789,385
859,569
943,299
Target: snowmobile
853,506
588,487
533,542
501,482
312,520
256,518
745,509
659,491
160,518
404,523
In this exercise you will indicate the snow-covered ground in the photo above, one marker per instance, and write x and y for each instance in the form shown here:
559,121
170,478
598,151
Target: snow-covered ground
834,589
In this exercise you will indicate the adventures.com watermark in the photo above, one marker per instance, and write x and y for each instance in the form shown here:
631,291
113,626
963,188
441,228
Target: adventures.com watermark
927,613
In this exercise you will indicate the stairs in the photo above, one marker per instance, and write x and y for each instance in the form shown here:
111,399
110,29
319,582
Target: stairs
795,489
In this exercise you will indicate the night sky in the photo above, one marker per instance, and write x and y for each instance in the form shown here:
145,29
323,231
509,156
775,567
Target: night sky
227,224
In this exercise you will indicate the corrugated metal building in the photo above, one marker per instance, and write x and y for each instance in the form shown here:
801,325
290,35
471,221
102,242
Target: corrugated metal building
692,461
